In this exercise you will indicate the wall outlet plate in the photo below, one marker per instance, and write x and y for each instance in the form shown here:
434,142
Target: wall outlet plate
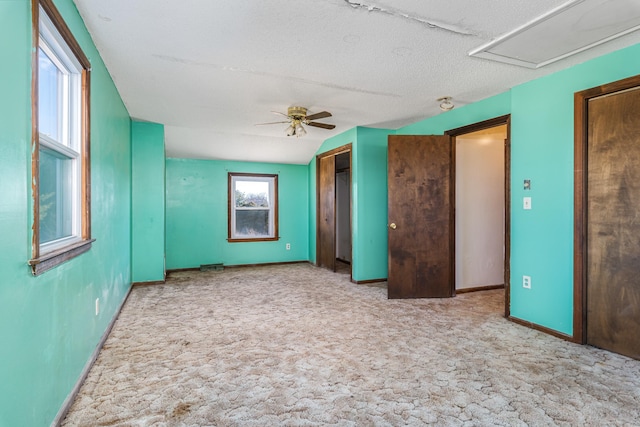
526,282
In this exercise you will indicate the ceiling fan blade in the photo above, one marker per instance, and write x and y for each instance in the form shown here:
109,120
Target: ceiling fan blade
272,123
320,115
321,125
278,112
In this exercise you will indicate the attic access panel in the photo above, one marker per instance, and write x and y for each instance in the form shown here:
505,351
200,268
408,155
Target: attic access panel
571,28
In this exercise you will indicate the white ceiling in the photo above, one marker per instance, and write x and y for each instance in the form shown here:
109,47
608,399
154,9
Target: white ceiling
209,70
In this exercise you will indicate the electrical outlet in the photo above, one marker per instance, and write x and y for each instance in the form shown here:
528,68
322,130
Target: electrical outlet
288,246
97,306
526,282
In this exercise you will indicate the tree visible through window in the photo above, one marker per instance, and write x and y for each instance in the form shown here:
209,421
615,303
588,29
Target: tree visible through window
253,207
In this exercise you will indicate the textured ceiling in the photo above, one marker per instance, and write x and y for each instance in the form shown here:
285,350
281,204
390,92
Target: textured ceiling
209,70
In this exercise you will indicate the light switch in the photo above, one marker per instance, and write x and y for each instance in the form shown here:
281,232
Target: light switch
526,203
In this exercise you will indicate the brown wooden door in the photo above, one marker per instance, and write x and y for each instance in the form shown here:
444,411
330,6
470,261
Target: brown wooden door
613,227
421,223
326,212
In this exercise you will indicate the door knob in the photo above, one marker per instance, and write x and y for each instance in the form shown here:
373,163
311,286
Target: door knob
392,226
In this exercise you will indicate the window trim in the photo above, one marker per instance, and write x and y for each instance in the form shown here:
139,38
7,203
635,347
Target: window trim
41,262
231,206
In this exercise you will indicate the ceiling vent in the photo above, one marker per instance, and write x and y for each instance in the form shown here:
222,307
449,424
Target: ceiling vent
571,28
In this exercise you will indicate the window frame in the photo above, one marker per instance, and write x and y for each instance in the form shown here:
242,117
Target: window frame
273,206
72,143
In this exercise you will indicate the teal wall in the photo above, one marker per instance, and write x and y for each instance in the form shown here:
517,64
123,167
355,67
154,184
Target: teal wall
148,193
369,200
542,151
542,140
370,205
196,210
48,324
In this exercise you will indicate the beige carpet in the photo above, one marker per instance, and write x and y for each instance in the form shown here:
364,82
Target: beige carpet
296,345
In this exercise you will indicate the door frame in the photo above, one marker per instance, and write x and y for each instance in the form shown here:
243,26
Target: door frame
453,133
580,171
347,148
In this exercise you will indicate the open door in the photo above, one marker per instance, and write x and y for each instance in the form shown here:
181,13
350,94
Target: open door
421,222
327,212
333,209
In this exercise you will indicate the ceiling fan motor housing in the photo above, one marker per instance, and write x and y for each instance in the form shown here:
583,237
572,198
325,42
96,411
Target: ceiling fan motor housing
297,112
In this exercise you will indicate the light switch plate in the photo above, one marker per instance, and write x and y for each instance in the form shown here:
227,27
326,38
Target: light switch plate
526,203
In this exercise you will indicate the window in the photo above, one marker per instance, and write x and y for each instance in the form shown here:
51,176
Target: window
253,207
60,163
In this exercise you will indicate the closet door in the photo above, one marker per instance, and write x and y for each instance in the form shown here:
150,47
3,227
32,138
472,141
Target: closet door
326,212
613,227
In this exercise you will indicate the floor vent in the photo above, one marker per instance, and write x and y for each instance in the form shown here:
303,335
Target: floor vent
212,267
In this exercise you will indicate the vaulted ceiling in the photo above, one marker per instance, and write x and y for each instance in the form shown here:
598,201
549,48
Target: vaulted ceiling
210,70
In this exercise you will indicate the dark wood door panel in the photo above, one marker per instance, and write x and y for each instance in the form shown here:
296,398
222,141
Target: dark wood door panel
403,271
326,212
420,247
432,195
613,228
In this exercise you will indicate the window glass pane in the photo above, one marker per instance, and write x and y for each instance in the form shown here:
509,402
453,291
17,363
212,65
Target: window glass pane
252,223
56,202
49,77
253,213
252,194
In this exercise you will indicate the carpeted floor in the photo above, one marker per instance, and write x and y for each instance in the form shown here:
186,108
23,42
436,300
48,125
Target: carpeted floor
296,345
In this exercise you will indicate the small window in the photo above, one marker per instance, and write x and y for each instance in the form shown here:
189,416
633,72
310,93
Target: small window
253,207
61,143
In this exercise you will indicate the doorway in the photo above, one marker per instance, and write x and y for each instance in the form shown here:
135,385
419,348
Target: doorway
333,232
606,250
482,156
422,205
480,209
343,212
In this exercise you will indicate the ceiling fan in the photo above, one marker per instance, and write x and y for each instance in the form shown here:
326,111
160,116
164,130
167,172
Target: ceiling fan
297,116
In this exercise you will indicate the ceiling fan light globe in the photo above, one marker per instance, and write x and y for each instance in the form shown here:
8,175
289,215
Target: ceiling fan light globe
300,130
290,130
